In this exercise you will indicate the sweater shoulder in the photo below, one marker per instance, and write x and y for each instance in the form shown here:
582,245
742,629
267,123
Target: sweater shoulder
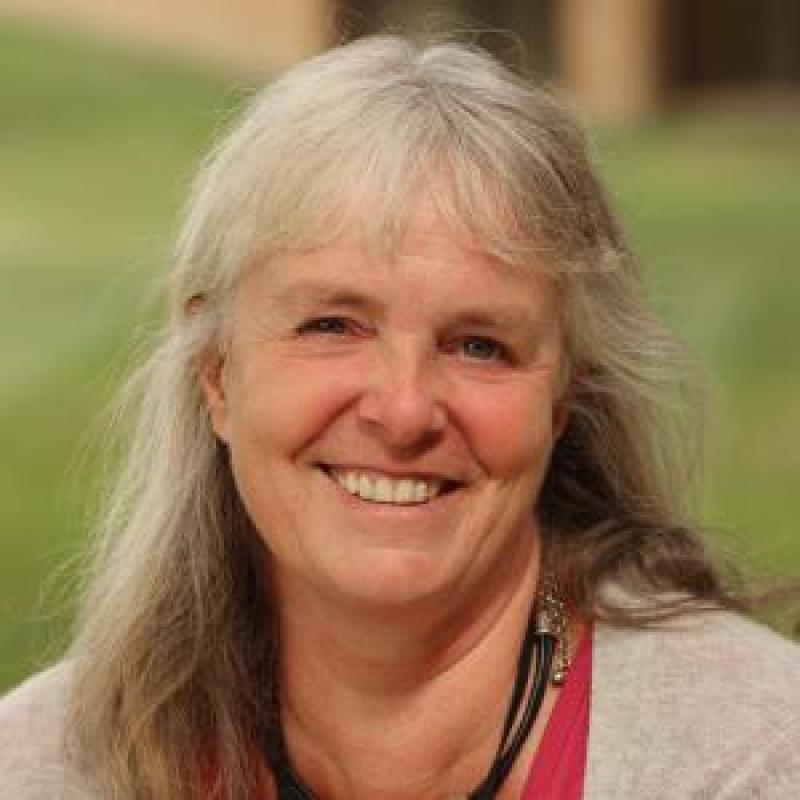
32,737
714,652
706,705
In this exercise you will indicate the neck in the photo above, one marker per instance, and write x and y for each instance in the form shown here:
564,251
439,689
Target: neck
413,699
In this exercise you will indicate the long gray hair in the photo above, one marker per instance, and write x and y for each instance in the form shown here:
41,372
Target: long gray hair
177,640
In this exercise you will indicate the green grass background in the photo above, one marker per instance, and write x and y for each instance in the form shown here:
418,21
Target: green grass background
96,150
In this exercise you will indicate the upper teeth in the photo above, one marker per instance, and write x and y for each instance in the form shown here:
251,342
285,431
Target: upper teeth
382,489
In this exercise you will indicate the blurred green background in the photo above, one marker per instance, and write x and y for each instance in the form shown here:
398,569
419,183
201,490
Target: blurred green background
96,151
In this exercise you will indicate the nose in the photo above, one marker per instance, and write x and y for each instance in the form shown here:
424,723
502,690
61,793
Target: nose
401,401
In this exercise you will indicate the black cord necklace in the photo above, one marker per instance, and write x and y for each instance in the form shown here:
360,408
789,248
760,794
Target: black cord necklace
536,656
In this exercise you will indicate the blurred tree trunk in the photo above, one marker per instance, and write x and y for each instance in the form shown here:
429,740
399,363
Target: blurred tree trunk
517,31
359,17
524,30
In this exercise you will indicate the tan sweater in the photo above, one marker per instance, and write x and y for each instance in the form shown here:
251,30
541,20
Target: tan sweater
709,708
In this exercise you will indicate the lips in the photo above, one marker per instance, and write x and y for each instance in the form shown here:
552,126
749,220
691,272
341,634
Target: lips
378,487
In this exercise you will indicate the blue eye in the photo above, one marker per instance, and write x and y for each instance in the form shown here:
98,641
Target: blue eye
326,325
482,349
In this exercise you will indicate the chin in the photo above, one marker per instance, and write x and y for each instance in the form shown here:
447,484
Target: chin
395,580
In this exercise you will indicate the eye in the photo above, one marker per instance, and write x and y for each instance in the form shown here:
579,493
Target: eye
330,326
481,348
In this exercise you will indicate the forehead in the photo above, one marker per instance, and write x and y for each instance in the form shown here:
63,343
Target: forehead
434,261
430,249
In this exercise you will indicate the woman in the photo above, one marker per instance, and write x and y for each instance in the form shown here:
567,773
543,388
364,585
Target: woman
404,513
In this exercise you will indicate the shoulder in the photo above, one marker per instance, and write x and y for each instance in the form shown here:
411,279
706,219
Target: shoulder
705,705
700,648
32,751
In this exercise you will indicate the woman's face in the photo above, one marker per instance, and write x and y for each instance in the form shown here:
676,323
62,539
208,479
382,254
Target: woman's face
390,421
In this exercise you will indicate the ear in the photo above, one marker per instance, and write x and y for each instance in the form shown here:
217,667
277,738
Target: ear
213,381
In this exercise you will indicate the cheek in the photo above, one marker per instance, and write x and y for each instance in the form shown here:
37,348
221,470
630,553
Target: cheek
278,409
283,406
510,429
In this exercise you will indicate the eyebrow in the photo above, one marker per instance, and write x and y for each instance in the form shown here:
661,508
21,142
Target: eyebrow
309,294
502,317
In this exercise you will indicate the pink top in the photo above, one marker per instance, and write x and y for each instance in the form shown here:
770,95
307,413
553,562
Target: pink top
558,768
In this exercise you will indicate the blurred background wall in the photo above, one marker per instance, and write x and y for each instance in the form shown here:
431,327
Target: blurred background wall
621,58
243,35
107,106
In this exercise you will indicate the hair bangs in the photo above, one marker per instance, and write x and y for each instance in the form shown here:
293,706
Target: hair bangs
368,182
363,182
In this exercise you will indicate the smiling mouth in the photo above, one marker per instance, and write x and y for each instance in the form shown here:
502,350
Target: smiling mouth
389,490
